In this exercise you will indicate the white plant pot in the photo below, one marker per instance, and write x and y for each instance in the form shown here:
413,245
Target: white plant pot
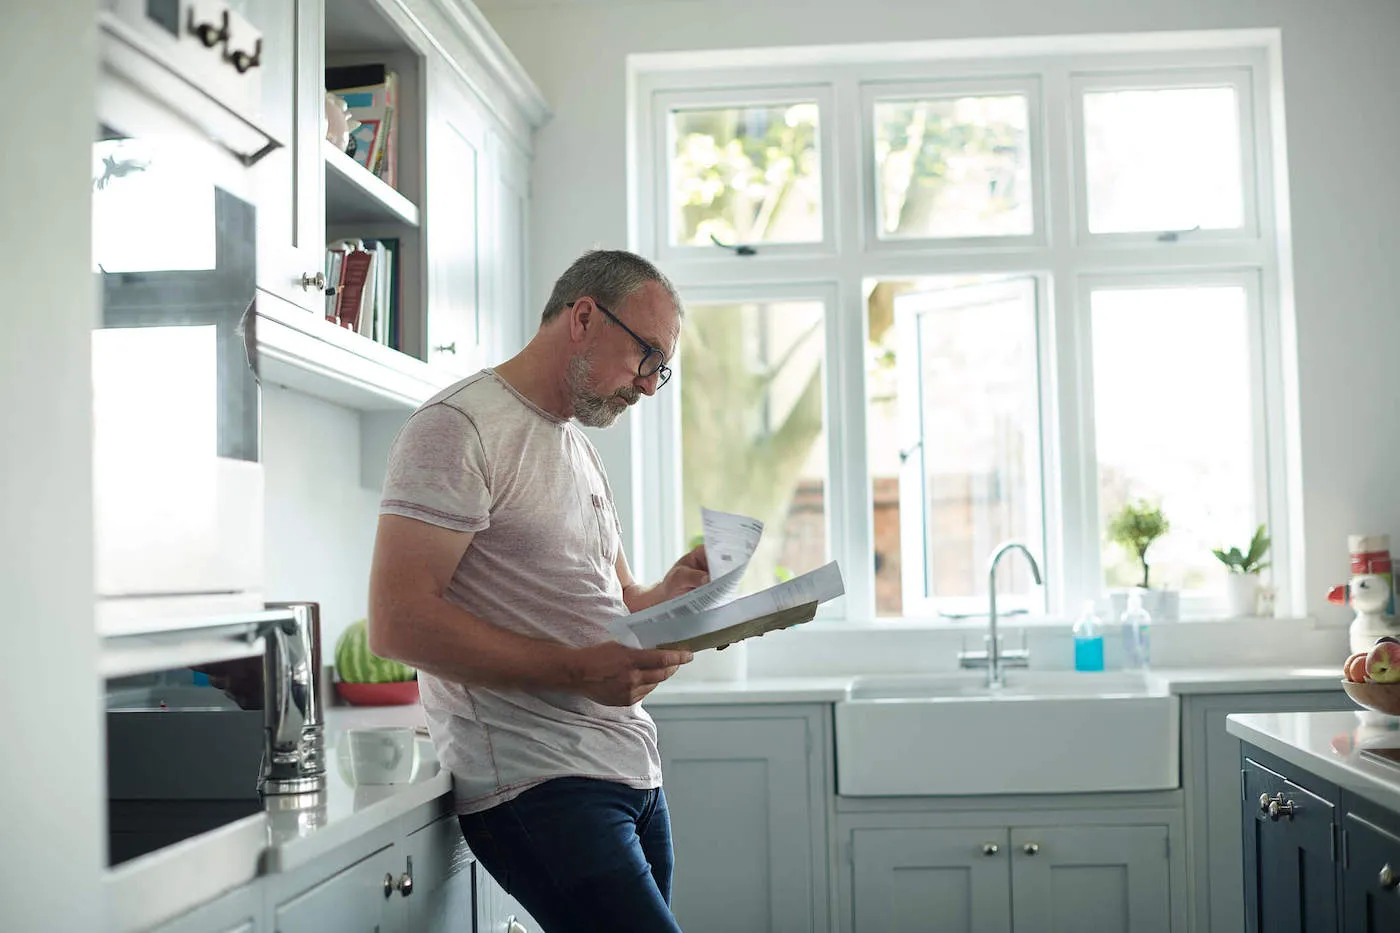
1242,594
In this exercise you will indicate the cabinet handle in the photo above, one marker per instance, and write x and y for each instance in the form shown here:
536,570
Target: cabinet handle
1278,807
1031,848
317,281
446,348
388,885
1388,878
990,848
242,62
208,33
514,926
1263,803
406,879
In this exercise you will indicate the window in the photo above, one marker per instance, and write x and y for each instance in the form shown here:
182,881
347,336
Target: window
958,301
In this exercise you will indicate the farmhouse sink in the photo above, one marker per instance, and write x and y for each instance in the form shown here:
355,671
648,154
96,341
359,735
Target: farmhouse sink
1045,732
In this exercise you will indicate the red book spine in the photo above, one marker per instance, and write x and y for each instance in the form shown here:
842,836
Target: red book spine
352,285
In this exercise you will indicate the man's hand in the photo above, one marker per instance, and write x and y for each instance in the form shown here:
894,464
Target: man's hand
688,573
616,675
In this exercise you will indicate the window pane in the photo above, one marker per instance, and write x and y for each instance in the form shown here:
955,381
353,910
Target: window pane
957,167
1173,425
753,435
746,175
954,439
1163,160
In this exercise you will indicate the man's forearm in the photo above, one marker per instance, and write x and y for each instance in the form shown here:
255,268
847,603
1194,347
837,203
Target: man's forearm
638,597
433,635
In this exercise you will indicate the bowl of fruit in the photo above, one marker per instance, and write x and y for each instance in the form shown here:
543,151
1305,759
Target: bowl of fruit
365,679
1372,678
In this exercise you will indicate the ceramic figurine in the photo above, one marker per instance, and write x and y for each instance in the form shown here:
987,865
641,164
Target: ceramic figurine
1369,594
339,123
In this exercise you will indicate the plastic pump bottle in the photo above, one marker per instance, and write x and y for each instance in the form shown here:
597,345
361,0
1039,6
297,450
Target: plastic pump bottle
1088,641
1137,634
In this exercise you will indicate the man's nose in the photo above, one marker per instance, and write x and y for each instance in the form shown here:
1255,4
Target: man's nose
648,384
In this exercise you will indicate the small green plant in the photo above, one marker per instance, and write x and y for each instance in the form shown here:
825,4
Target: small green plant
1136,526
1249,562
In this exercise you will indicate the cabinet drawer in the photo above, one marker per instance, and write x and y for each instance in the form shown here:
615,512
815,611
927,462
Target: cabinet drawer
1371,876
1301,814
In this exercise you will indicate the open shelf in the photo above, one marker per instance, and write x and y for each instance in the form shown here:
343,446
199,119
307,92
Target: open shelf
353,195
304,351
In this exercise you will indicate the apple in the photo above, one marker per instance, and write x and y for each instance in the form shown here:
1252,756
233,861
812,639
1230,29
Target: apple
1355,668
1383,663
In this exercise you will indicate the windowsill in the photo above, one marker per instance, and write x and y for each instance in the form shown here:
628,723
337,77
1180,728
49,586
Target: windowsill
1041,623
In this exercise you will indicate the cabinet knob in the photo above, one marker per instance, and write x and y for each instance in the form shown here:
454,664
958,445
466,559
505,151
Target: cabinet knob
208,33
515,926
405,884
446,348
990,848
1388,878
317,281
1278,807
242,61
1263,803
1031,848
388,885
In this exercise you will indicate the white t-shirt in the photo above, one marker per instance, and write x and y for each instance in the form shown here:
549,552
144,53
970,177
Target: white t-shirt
482,458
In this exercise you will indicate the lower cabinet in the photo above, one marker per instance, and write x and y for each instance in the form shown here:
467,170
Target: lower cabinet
996,879
239,911
1316,858
441,873
497,911
1370,875
748,792
363,898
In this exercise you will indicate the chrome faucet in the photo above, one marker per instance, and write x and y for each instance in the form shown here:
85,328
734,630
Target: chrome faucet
994,658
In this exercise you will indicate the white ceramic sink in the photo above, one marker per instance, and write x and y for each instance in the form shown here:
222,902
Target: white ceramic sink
1045,732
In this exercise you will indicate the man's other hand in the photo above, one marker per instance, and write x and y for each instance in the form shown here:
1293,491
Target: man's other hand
688,573
616,675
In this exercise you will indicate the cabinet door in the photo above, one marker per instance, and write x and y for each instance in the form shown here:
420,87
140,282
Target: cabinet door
456,156
439,864
497,911
291,214
239,911
1109,879
1370,877
743,821
360,899
1289,856
930,881
509,320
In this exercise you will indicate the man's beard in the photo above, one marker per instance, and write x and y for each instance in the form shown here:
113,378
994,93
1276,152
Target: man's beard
591,409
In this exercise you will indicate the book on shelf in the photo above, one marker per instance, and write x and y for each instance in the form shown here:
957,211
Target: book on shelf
371,94
364,279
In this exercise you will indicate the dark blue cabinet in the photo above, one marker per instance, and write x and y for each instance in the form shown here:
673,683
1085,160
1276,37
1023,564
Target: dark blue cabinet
1371,872
1290,855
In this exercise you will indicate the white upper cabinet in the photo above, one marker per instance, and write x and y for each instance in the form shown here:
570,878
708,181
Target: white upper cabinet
291,222
457,218
454,216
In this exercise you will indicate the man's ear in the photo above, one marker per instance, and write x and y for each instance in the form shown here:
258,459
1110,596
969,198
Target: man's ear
581,319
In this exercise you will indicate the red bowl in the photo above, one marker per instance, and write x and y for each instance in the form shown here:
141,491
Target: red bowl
395,693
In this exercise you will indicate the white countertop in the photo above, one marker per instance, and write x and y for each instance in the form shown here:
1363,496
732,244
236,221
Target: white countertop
1330,746
1181,682
292,831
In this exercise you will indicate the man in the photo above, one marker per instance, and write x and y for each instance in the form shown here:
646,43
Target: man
496,567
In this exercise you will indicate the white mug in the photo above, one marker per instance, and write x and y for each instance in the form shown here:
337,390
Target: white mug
383,754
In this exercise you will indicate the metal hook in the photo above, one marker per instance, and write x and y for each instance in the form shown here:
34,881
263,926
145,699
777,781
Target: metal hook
739,250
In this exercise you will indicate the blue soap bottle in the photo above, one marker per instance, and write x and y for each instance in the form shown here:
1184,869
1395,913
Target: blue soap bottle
1088,641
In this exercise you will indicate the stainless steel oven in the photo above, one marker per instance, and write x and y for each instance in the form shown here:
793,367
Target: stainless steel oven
178,485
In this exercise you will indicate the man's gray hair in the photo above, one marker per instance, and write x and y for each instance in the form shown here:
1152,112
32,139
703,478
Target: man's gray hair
607,276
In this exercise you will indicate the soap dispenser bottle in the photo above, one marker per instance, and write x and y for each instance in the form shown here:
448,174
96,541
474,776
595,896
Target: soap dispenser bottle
1137,634
1088,640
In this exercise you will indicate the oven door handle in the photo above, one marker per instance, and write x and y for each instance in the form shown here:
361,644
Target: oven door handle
138,90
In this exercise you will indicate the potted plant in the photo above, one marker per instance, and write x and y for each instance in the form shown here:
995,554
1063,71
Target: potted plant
365,679
1242,580
1134,528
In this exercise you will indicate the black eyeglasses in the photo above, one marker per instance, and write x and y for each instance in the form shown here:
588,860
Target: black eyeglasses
653,360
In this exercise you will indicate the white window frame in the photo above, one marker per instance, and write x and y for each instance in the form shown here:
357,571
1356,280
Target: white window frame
776,95
1240,79
889,92
1061,257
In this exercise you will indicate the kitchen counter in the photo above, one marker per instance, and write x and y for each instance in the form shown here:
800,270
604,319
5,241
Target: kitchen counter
292,830
1329,745
1181,682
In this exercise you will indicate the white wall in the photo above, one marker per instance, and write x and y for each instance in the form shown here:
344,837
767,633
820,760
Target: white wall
1341,77
319,520
51,808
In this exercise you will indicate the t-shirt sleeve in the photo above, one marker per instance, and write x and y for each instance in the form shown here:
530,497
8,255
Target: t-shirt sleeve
437,472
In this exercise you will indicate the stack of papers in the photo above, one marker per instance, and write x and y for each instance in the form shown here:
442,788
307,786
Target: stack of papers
713,615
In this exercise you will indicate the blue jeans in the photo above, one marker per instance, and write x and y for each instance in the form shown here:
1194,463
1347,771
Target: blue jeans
581,855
